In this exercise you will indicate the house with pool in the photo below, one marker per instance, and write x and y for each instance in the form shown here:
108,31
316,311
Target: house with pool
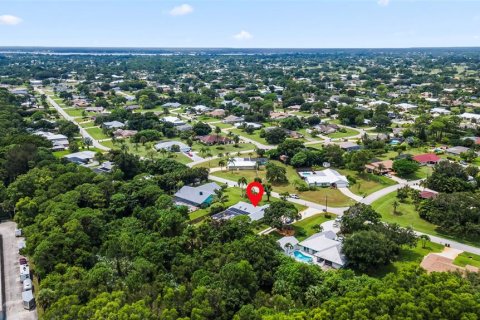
321,249
324,178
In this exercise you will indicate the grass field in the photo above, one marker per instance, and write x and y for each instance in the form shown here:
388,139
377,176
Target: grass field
333,197
305,228
234,196
407,216
408,257
87,124
232,149
467,258
349,133
255,136
367,183
97,133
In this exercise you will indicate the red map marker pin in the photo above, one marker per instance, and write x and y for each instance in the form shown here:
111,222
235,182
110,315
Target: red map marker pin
255,195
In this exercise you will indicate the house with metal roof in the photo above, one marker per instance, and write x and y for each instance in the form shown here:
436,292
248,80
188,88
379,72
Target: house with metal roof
242,208
196,196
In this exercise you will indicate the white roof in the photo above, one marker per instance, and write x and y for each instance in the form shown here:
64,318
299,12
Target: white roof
283,241
333,254
326,176
81,155
320,241
241,162
439,110
51,136
172,119
468,115
406,106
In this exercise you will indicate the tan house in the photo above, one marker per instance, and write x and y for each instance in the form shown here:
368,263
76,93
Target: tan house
380,167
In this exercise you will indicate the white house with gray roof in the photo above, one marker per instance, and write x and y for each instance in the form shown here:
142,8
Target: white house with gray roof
242,208
196,196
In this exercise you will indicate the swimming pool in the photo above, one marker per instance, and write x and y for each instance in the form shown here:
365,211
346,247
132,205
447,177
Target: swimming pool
305,173
301,257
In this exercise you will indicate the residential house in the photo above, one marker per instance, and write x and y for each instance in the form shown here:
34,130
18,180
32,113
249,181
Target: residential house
217,113
472,117
427,159
321,248
428,194
380,167
249,124
232,119
200,109
324,178
278,115
196,196
94,109
349,146
172,105
59,141
174,120
131,107
440,111
241,164
120,133
242,208
406,106
105,167
185,127
167,145
82,157
212,139
111,125
456,151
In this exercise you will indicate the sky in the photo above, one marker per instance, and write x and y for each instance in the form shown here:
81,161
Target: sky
240,23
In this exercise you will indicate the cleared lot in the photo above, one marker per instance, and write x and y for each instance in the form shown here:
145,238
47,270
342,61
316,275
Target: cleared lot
13,287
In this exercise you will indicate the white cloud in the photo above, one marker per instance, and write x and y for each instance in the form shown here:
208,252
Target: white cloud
243,35
9,20
181,10
383,3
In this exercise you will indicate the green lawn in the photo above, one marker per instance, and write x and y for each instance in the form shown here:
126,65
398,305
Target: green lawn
408,257
467,258
333,197
87,124
367,183
318,146
305,228
97,133
77,112
349,133
406,216
234,196
232,149
255,136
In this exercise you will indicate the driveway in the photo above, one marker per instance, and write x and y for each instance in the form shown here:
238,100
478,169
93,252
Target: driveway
13,287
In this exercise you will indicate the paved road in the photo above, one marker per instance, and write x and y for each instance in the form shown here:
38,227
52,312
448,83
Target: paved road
83,132
315,207
13,286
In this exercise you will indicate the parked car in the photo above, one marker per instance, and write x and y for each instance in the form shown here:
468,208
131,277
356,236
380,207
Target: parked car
294,196
18,232
27,284
23,261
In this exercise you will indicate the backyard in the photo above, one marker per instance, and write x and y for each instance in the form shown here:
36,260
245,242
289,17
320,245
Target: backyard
332,197
366,183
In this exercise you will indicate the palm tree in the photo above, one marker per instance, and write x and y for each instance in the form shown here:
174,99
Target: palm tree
284,195
163,152
268,190
288,248
424,239
87,142
242,182
395,206
222,164
250,154
203,151
209,156
380,168
231,162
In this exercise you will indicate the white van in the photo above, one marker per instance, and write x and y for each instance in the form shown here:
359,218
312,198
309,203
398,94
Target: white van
27,284
24,272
